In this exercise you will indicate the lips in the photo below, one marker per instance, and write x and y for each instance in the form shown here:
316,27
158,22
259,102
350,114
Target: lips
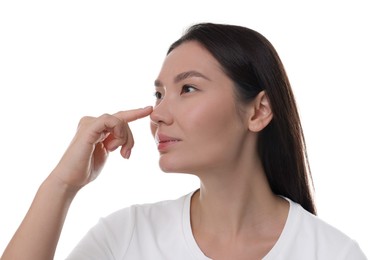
161,138
164,142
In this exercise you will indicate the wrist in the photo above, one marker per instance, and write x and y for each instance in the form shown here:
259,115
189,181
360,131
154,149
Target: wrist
55,184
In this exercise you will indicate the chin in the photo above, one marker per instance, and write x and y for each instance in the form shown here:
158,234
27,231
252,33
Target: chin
168,165
170,168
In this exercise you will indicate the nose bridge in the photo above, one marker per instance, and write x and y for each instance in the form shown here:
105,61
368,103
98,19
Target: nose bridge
162,112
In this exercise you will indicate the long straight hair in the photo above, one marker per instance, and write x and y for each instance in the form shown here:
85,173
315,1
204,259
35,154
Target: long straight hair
253,64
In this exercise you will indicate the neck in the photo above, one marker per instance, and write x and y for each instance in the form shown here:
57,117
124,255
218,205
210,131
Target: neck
236,202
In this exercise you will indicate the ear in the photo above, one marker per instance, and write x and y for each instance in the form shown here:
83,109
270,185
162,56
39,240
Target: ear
260,113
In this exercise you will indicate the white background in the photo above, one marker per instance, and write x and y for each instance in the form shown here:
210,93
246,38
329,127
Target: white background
61,60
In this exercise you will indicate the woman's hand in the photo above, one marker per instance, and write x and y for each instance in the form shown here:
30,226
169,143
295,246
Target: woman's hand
80,164
89,149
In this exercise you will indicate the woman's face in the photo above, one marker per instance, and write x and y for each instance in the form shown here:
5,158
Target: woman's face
195,122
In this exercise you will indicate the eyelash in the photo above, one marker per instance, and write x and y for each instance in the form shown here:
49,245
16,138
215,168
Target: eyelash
184,89
158,95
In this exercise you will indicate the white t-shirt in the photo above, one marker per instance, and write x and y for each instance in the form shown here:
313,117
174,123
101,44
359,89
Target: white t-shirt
163,231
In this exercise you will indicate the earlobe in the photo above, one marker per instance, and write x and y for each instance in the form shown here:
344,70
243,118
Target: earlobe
261,113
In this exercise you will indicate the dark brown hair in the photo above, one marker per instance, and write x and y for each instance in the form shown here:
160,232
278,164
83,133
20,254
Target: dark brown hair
253,64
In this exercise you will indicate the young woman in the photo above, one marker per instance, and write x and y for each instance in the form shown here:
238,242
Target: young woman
225,112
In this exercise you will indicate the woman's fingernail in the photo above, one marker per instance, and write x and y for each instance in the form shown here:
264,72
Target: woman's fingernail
127,155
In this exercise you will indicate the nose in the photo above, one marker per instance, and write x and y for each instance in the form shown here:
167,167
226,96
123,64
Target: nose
161,113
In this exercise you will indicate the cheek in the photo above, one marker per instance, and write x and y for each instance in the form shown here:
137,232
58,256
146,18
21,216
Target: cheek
198,119
214,138
210,120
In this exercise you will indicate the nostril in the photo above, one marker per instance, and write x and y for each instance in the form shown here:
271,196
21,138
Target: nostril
161,113
155,118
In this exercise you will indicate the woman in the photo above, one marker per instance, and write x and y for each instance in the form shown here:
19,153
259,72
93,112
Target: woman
225,112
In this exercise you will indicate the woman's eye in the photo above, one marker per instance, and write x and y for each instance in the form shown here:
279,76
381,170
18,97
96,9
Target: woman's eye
187,89
158,95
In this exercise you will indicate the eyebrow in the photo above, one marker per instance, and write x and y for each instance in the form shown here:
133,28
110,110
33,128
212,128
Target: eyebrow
182,76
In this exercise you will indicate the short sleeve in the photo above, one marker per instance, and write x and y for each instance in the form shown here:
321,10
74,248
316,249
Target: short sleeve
108,239
354,252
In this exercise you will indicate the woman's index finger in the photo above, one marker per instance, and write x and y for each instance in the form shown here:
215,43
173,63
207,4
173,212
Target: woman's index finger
134,114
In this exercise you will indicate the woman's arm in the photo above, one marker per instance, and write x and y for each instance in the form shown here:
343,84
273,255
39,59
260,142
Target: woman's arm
39,232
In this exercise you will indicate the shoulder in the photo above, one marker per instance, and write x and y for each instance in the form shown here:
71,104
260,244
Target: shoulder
318,226
310,233
145,218
123,232
149,211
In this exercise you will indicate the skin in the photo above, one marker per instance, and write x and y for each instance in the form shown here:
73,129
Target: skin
234,215
38,234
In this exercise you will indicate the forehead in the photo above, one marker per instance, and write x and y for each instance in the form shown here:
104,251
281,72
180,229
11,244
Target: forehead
190,56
